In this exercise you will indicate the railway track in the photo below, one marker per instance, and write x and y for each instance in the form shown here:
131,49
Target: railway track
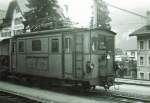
11,98
98,95
123,97
131,98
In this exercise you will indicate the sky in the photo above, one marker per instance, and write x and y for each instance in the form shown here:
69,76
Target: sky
4,4
122,23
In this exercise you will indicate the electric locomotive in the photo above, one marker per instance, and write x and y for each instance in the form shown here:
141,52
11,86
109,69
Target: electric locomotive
73,55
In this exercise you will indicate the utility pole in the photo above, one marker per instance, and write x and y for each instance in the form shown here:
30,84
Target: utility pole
100,15
95,13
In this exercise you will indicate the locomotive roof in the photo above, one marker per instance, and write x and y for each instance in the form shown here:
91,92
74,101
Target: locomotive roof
60,31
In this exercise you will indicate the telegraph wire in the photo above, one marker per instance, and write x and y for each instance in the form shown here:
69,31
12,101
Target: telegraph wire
125,10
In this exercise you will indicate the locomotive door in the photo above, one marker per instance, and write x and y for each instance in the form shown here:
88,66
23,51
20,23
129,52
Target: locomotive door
78,56
110,54
67,60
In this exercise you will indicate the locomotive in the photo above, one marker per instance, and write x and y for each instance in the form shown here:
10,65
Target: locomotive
77,56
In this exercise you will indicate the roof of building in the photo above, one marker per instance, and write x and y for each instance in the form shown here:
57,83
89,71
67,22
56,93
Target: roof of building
62,30
9,13
22,5
145,30
132,50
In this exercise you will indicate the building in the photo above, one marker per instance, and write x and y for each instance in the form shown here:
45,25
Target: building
126,61
131,54
13,21
121,57
127,66
143,50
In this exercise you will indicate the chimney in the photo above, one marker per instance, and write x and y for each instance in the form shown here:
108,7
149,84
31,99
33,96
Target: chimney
148,18
66,10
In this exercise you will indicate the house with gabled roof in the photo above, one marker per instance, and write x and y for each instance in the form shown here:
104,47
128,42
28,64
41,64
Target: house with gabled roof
143,50
13,21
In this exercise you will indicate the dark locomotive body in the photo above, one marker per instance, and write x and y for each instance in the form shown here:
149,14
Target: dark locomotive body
78,56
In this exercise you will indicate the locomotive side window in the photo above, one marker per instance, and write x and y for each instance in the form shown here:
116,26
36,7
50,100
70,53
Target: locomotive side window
36,45
67,44
55,46
98,43
21,46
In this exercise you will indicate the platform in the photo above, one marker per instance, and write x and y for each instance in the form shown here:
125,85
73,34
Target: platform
46,96
133,82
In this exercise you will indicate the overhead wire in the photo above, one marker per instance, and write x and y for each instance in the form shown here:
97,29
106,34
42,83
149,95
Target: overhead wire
125,10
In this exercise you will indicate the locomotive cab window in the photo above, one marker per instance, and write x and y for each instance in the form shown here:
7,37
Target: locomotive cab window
110,43
55,46
36,45
98,43
21,46
67,44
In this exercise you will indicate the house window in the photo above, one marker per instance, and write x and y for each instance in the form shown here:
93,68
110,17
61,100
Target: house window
6,34
132,53
36,45
149,61
21,46
2,34
141,60
148,44
17,10
18,32
18,21
67,44
141,45
142,75
55,46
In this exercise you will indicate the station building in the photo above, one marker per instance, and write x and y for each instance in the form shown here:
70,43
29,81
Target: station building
143,50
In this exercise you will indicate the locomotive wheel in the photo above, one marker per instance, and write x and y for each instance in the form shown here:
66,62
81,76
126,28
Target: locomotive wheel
106,87
86,86
3,76
24,80
93,87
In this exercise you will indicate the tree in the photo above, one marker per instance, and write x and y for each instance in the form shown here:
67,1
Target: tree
42,14
102,14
